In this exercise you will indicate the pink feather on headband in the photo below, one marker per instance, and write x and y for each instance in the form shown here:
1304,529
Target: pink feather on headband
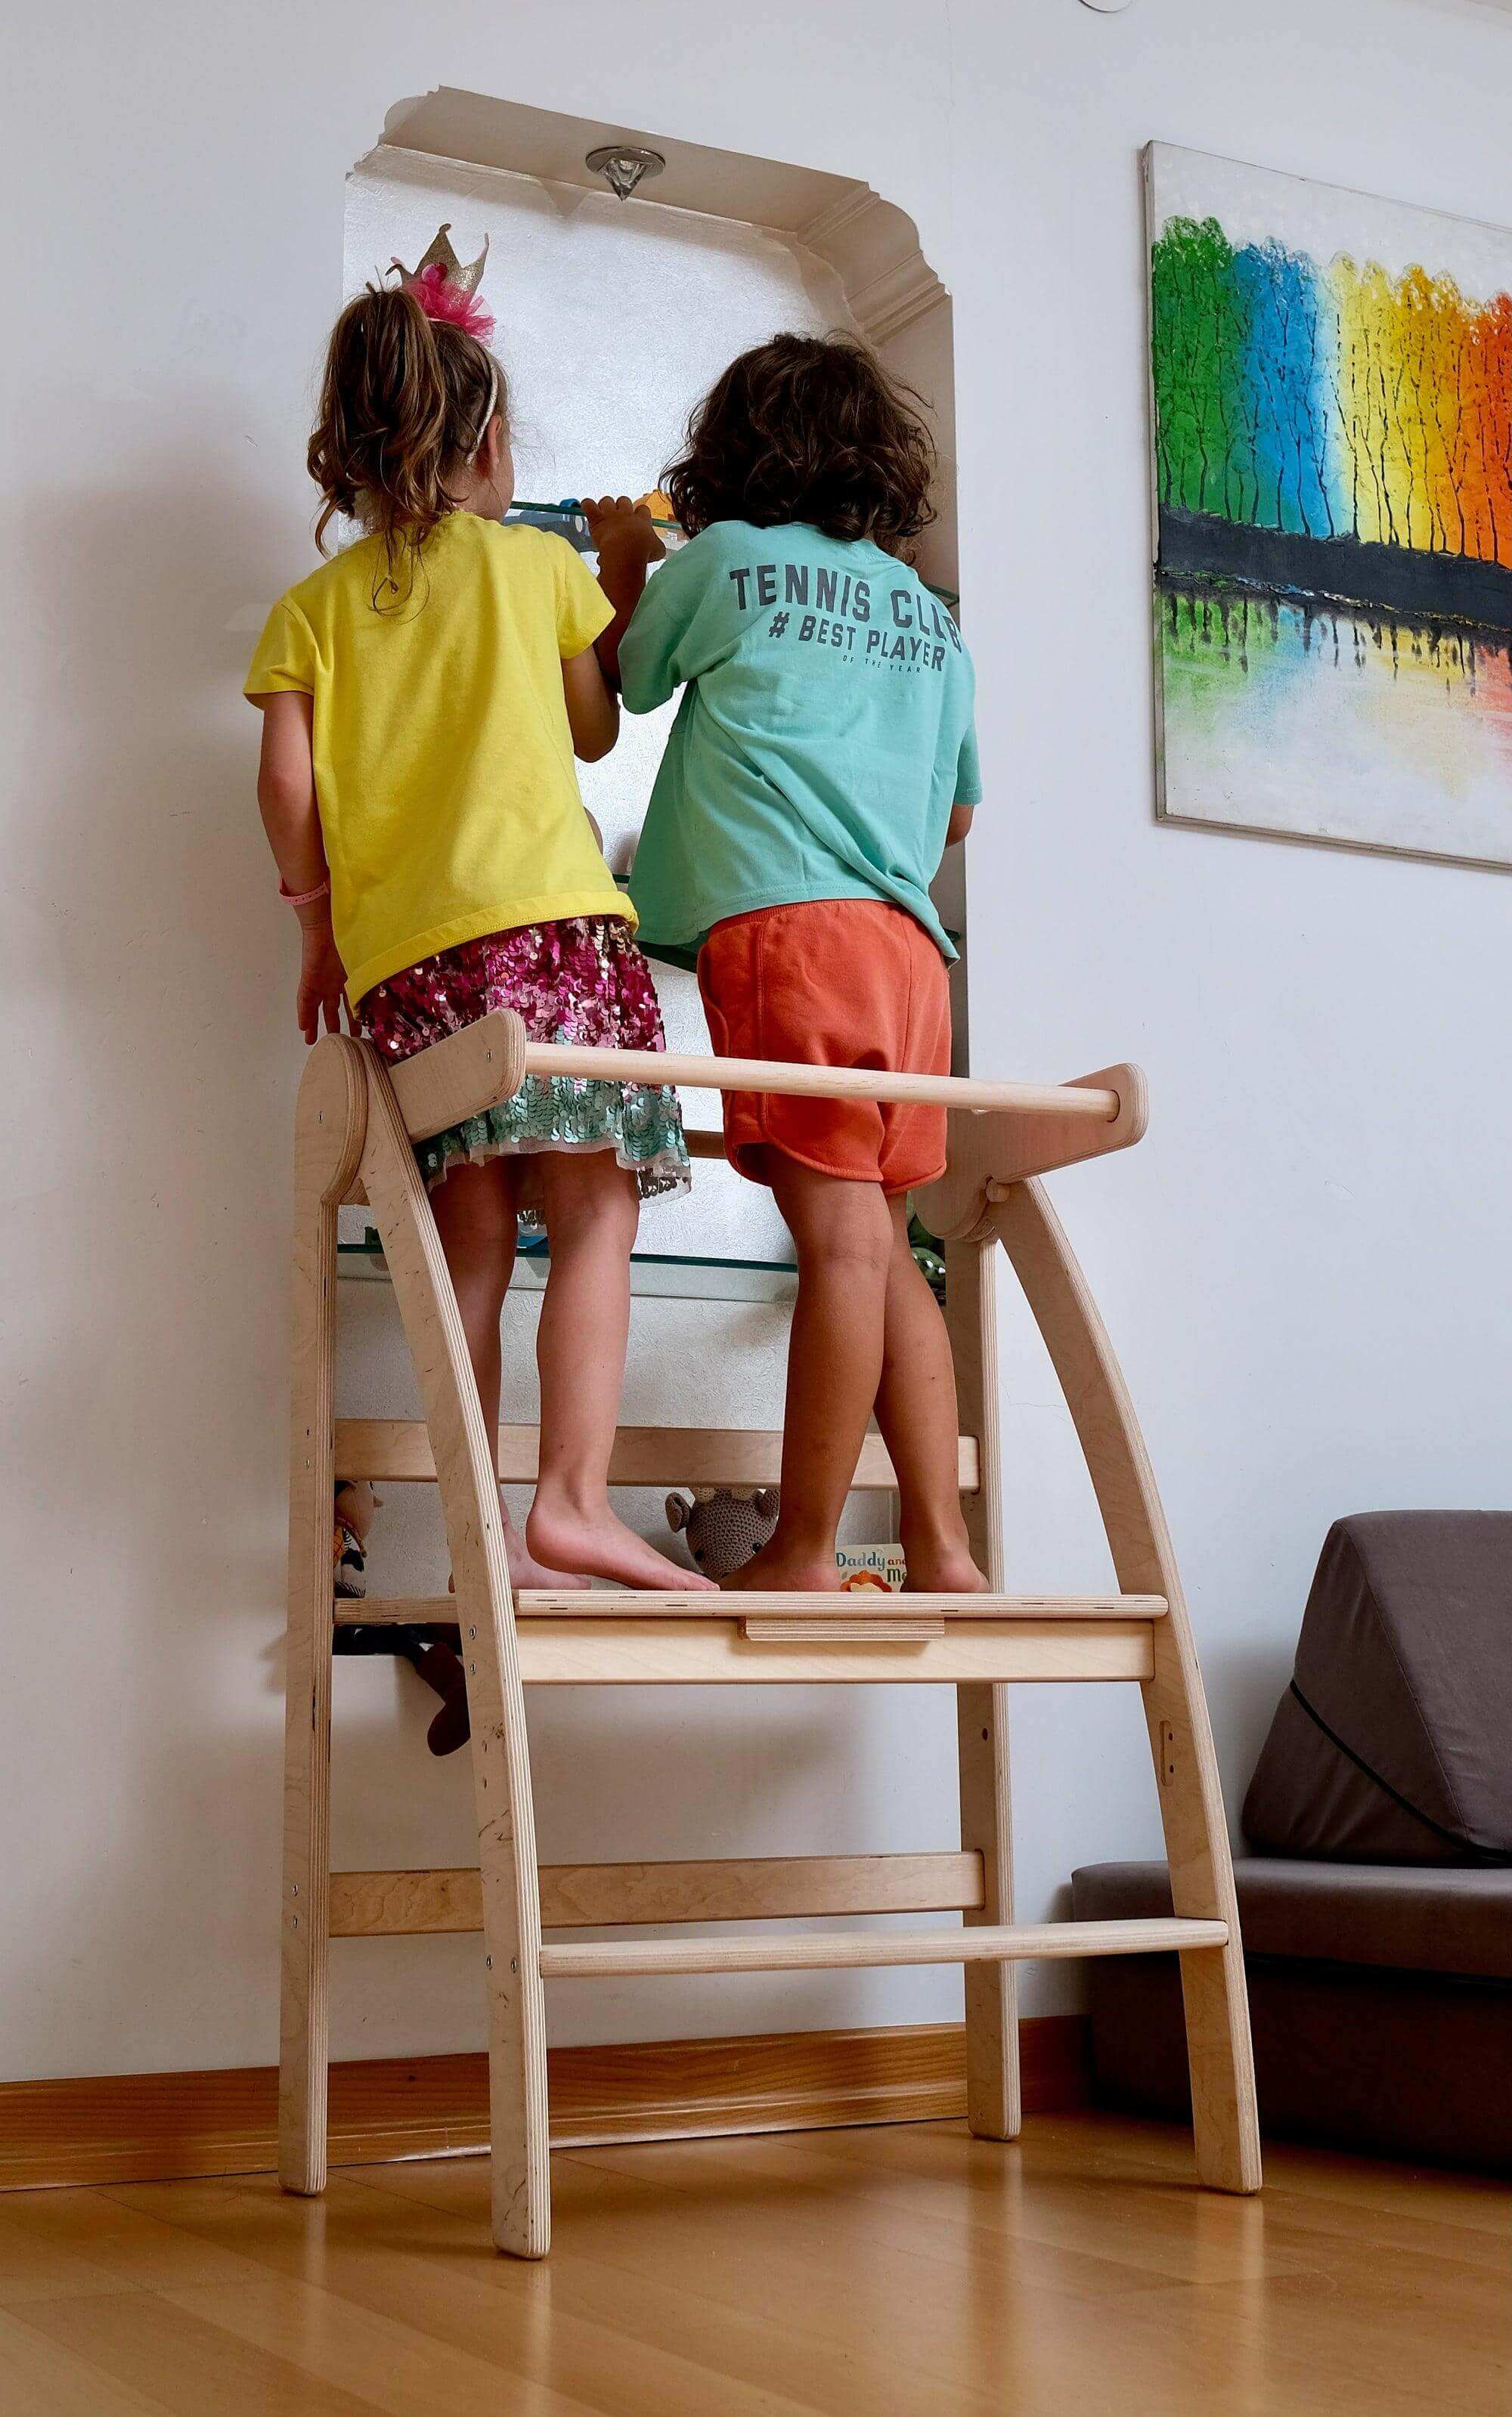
440,297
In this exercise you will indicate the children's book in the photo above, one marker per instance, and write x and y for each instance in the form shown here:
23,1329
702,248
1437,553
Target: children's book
872,1569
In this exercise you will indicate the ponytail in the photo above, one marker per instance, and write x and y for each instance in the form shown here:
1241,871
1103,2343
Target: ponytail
404,403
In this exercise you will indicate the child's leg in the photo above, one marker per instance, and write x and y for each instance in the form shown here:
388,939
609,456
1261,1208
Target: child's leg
844,1237
591,1215
476,1214
916,1412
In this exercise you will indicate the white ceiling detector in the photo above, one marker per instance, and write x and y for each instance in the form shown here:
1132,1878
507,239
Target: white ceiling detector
1105,8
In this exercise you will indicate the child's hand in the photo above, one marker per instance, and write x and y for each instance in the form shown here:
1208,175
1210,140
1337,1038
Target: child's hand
322,981
627,545
623,533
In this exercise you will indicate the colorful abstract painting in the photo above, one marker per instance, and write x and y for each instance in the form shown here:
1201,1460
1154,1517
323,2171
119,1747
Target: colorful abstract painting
1332,423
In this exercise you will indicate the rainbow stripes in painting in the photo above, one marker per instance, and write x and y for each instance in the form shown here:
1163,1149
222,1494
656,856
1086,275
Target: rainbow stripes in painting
1331,378
1330,400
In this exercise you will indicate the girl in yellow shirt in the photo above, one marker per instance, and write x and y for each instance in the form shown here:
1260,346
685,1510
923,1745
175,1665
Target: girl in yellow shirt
423,696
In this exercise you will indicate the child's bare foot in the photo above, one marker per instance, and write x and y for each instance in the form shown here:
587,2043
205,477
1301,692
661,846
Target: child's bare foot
941,1566
526,1570
574,1545
788,1568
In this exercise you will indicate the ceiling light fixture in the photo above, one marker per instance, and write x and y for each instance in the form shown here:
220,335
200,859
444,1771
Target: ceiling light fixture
624,165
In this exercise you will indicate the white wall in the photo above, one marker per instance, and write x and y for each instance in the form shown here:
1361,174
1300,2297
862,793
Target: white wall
1304,1265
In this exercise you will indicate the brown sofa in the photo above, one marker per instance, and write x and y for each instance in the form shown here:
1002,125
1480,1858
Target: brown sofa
1378,1921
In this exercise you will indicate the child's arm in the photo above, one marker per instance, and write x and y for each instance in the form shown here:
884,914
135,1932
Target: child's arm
956,829
627,545
592,709
286,796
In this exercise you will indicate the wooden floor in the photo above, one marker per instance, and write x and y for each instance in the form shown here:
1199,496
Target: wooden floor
905,2268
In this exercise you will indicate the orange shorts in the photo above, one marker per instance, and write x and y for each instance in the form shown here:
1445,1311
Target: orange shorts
839,981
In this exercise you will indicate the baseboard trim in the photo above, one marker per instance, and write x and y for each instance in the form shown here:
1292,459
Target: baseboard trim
172,2126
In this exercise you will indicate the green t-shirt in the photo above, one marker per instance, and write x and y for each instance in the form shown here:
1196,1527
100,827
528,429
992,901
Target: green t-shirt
826,733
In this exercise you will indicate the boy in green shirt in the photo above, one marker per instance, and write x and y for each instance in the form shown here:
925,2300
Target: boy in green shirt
822,758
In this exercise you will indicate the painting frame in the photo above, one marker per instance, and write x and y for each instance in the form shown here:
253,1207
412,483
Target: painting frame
1386,640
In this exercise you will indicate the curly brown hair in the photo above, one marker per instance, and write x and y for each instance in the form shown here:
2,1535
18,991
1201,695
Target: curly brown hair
404,403
807,428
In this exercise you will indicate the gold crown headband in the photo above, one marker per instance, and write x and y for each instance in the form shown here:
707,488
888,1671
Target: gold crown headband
448,270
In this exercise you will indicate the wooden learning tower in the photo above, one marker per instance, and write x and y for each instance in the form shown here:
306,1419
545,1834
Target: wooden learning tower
356,1123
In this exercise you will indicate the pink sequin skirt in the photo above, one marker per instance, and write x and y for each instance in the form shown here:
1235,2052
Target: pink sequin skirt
581,980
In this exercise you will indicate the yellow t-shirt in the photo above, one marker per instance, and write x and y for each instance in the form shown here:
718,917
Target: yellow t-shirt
443,768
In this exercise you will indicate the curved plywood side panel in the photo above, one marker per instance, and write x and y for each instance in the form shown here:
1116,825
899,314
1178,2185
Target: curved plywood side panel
1180,1741
485,1609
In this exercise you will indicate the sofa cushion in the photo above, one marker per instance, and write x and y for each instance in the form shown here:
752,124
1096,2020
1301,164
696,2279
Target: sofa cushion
1396,2065
1394,1742
1399,1916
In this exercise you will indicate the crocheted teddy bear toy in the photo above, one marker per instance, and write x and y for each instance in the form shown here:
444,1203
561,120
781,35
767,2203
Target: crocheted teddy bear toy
726,1524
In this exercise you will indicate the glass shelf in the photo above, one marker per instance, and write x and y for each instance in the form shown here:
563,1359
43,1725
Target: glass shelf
654,1275
566,520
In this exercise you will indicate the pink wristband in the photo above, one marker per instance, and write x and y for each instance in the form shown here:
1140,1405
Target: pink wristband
304,897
